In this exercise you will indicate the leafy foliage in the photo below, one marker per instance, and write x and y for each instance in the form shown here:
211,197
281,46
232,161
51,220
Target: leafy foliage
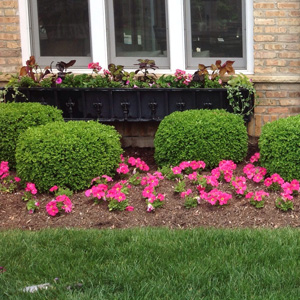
279,146
207,135
15,118
240,101
67,154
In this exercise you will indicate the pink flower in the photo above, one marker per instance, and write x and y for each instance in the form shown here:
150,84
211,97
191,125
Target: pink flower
123,169
95,66
107,178
58,80
186,193
52,208
193,176
176,170
17,179
88,192
147,191
220,81
254,158
276,178
160,197
129,208
30,187
106,72
54,188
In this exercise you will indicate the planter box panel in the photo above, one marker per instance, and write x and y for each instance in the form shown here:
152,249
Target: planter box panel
98,105
153,105
46,96
125,105
72,103
184,100
212,99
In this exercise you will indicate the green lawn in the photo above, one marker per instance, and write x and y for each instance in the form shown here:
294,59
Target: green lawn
152,264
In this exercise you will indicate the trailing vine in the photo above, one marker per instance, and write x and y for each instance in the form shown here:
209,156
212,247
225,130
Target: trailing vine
240,91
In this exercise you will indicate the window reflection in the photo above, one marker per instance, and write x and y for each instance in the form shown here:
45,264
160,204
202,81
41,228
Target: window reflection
216,28
64,27
140,28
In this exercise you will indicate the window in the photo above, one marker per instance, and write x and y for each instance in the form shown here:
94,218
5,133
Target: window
141,33
215,30
61,30
176,34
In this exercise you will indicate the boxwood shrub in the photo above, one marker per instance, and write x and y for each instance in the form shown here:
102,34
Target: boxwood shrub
279,146
208,135
67,154
16,118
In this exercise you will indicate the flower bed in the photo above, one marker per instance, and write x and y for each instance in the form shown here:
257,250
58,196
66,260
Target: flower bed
231,202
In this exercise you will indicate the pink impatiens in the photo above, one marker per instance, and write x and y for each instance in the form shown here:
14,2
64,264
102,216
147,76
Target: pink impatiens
61,203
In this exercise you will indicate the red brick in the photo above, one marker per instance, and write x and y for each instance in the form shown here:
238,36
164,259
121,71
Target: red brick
9,4
265,54
9,20
9,36
295,110
276,94
288,38
275,13
275,29
288,21
290,102
265,70
295,63
295,94
9,53
289,5
13,45
264,5
258,21
274,62
264,38
280,110
289,54
294,13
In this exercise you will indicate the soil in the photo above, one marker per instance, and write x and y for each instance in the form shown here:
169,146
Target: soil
239,213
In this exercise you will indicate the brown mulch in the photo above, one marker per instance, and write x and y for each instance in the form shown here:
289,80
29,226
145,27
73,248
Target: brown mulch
87,214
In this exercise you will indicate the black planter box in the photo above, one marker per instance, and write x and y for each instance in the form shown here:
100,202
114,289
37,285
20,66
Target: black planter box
132,105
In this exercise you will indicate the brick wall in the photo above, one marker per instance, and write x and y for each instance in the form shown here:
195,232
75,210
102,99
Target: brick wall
277,61
276,56
10,43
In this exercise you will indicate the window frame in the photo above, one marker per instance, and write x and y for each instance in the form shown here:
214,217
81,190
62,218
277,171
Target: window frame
176,36
191,62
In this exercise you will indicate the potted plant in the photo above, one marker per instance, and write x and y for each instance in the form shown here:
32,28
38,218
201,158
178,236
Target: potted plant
117,95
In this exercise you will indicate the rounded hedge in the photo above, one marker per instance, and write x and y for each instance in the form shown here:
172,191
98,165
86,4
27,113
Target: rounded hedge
15,118
208,135
67,154
279,146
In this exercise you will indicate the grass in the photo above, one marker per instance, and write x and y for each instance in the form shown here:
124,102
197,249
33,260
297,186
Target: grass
152,264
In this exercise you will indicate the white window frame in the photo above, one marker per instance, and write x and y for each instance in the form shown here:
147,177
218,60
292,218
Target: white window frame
99,36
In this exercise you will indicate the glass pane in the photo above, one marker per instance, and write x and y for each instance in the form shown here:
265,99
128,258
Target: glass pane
216,28
140,28
64,28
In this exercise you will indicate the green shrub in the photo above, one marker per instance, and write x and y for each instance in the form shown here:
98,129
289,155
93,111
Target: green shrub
279,146
67,154
208,135
16,118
